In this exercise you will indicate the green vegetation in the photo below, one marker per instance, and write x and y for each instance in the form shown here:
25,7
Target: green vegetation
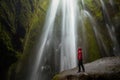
95,8
93,49
56,77
21,23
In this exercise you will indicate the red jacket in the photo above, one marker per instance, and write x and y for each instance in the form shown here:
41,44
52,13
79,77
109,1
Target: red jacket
79,54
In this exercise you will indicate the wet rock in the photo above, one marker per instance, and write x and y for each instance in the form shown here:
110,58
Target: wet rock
102,69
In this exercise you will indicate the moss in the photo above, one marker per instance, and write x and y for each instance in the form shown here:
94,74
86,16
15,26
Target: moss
5,37
36,24
7,13
56,77
93,49
15,19
45,4
30,16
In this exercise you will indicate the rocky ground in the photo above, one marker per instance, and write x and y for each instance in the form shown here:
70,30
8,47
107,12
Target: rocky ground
103,69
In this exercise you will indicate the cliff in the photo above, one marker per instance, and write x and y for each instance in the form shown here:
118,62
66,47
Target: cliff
18,20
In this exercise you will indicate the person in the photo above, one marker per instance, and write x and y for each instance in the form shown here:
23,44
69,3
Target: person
80,60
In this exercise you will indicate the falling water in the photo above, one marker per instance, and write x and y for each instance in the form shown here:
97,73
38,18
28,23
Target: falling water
45,38
111,2
97,34
110,28
68,49
68,36
60,51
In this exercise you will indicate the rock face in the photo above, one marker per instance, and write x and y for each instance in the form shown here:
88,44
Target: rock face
102,69
18,20
21,22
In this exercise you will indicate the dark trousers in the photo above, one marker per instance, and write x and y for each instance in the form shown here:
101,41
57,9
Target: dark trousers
80,65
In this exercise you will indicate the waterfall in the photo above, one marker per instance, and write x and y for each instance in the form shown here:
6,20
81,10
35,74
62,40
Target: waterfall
47,33
69,25
68,37
63,32
111,28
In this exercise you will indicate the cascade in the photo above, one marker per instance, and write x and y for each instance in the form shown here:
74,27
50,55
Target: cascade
63,32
